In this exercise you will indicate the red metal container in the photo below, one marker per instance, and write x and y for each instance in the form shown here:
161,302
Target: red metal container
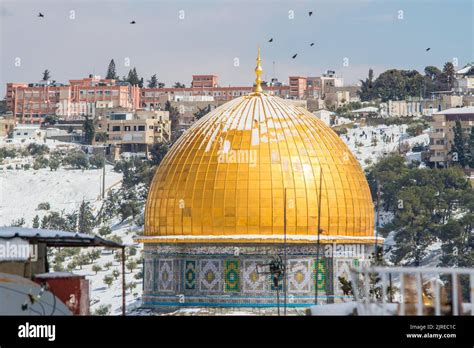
72,289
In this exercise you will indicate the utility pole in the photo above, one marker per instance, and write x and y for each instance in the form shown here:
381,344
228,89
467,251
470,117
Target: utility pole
103,175
378,217
284,251
319,236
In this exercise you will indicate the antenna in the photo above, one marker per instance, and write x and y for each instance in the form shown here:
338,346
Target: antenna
319,236
276,269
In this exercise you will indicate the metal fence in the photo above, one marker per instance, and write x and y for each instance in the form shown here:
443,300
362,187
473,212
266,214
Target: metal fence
420,291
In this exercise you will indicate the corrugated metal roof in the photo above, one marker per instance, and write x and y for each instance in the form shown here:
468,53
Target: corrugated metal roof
56,238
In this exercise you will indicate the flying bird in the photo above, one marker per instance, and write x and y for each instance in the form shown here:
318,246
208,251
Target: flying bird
312,44
310,13
428,49
271,40
294,56
40,15
132,22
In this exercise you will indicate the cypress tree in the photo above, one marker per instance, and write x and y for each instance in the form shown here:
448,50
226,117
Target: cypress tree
457,148
111,73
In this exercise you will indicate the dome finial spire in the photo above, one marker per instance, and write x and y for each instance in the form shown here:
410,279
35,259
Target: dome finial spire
258,73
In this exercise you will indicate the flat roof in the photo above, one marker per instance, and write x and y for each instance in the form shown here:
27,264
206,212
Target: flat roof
456,111
56,238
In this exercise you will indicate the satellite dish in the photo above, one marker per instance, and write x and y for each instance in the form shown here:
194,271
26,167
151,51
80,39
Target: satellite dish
21,296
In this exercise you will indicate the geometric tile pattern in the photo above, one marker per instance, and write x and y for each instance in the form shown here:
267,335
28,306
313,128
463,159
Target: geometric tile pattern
321,281
299,275
165,275
210,275
190,275
232,275
149,280
253,281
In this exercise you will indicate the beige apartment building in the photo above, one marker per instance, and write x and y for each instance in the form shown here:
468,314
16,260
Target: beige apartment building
135,132
442,134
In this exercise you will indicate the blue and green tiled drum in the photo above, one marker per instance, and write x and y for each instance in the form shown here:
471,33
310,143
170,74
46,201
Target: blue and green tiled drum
217,276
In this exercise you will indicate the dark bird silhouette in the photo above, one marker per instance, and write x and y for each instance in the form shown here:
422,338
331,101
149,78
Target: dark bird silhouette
132,22
428,49
271,40
310,13
40,15
312,44
294,56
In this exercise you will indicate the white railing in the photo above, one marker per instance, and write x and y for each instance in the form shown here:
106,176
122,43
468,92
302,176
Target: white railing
383,304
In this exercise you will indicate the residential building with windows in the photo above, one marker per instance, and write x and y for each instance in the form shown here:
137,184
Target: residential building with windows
442,134
136,131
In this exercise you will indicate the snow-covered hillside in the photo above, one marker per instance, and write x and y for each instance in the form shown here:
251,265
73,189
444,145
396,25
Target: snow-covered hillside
22,190
370,143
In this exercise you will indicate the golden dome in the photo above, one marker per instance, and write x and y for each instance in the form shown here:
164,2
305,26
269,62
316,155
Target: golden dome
224,180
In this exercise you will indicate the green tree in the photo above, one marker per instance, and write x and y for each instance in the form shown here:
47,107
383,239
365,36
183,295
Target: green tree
457,152
46,75
108,280
36,223
366,91
202,112
85,218
104,231
153,82
133,78
54,162
18,222
101,137
448,74
131,265
89,131
97,160
158,152
111,73
96,268
77,159
470,149
179,85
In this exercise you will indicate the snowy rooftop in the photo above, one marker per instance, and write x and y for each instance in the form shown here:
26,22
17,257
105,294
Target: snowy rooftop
464,70
456,111
366,109
27,126
57,238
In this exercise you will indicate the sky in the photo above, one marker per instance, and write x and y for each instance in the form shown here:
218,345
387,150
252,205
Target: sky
176,39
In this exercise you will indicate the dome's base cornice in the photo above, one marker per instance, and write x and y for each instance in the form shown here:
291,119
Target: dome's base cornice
260,238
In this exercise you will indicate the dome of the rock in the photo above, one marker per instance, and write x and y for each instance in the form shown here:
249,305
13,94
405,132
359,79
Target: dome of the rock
233,210
225,179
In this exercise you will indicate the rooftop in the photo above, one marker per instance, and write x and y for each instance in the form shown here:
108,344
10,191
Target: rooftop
456,111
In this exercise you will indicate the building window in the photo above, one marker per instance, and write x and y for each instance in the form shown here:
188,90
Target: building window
127,128
115,128
141,128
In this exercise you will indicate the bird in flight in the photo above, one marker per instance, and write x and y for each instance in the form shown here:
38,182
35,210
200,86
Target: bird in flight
271,40
310,13
40,15
428,49
294,56
312,44
132,22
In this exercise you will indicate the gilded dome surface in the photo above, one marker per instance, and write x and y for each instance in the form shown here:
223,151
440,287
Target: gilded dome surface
225,180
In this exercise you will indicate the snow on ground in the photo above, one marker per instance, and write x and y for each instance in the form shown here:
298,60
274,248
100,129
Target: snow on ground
22,190
100,293
371,143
